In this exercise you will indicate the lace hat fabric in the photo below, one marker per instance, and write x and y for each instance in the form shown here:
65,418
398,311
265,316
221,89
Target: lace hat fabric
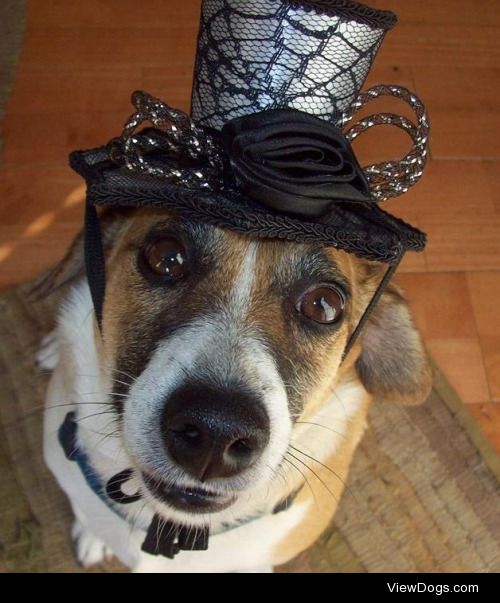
256,55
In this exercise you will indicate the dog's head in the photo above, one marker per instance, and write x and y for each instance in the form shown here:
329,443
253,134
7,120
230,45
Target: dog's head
217,344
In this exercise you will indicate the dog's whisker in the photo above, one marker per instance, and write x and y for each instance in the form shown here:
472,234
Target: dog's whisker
342,435
105,436
304,476
80,403
318,477
105,393
42,408
135,520
112,434
128,375
86,376
334,473
122,382
99,433
73,404
342,481
93,415
79,420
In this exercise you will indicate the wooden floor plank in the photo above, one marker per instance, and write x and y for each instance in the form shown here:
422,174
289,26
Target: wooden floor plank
488,416
103,14
463,106
74,48
445,12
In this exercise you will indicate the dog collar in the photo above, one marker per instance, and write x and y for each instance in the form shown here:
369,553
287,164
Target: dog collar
108,493
163,537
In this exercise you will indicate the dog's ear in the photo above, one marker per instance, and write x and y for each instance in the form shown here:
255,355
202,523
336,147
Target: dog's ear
72,265
393,364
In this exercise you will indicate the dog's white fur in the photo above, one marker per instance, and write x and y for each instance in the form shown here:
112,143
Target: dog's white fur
80,382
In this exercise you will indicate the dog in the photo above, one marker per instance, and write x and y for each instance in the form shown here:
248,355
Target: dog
218,384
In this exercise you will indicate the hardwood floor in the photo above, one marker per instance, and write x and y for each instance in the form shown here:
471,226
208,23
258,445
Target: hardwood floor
81,60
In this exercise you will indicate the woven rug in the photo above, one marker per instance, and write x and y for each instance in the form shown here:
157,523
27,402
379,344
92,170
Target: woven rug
423,493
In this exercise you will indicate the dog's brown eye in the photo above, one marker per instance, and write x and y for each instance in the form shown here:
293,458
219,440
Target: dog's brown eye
322,303
167,257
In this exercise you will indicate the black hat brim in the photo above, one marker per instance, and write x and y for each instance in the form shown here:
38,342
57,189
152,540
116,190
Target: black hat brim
364,230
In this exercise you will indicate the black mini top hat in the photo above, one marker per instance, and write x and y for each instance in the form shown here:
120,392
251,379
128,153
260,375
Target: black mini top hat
265,151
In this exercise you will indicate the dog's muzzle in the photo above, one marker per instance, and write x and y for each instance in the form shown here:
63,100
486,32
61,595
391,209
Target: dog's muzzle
211,433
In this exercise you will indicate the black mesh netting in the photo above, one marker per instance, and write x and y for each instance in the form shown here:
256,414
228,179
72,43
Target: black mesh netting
261,54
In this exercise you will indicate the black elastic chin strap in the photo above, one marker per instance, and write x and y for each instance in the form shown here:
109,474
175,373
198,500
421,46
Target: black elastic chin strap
94,260
370,307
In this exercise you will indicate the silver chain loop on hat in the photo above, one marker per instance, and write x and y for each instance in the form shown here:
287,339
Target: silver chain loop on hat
393,178
180,136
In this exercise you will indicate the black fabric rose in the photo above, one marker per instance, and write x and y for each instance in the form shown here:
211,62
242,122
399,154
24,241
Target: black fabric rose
293,162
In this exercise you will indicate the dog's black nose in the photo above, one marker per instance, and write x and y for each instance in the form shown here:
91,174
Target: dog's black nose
213,433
